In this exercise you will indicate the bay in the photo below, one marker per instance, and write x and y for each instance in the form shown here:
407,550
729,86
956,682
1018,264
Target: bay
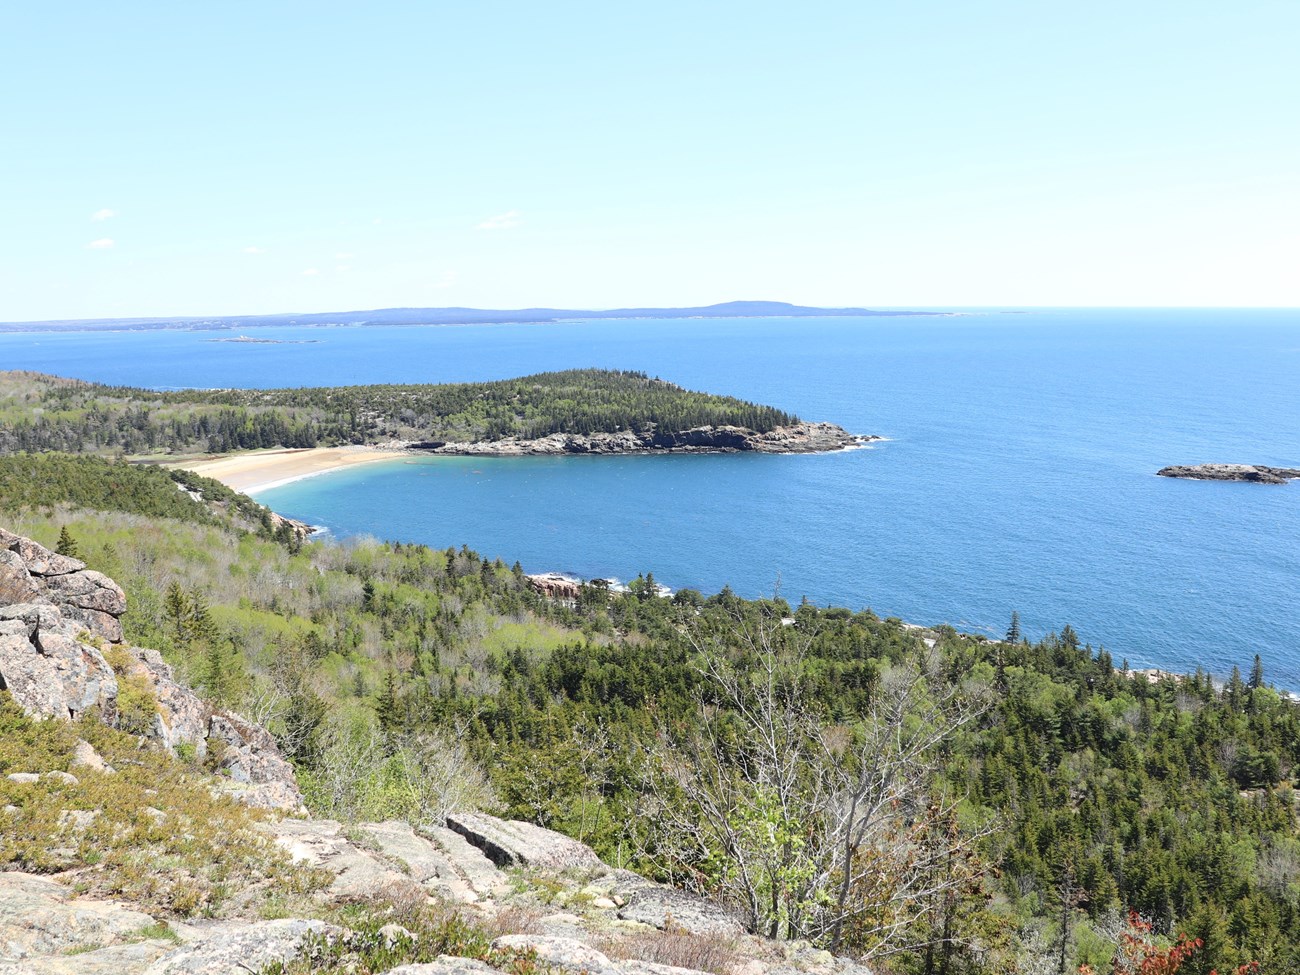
1018,473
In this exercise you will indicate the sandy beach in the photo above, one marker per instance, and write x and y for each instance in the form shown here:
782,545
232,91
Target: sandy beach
265,469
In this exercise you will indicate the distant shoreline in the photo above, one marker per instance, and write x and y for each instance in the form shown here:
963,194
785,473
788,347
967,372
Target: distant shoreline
456,316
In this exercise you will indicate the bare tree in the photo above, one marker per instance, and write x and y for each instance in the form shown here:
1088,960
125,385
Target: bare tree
838,834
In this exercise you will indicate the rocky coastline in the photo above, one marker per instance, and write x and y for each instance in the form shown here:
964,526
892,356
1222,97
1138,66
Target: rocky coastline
799,438
1255,473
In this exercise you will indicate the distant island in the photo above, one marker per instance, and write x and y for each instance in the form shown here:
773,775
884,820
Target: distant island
579,411
241,339
456,316
1254,473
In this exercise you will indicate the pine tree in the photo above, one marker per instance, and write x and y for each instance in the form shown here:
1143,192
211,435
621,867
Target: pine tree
67,544
1013,631
176,609
1256,674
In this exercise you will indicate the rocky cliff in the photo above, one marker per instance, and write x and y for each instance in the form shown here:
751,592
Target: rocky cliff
801,438
60,626
1232,472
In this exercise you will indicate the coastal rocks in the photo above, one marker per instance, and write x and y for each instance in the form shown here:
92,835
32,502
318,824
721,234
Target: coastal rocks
807,438
799,438
552,585
512,843
1254,473
57,622
298,529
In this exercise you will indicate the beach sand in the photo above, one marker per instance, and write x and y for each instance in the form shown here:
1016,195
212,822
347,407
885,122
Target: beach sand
262,470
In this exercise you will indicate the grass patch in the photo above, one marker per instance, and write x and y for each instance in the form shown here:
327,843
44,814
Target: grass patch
381,940
206,857
674,947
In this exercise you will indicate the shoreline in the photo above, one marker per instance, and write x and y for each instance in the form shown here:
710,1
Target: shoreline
253,472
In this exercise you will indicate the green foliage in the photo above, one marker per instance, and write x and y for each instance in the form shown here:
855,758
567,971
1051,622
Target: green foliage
137,708
67,544
430,932
1172,797
46,480
48,413
199,858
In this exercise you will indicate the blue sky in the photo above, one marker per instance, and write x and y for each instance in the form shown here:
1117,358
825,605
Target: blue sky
190,159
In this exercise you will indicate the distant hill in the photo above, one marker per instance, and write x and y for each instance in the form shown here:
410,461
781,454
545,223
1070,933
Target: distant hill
456,316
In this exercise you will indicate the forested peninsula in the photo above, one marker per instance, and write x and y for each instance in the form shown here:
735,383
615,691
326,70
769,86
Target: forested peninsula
574,411
930,802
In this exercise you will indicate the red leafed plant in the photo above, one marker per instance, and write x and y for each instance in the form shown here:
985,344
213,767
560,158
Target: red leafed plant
1138,953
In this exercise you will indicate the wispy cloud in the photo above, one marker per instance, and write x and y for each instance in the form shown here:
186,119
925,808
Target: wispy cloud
103,214
103,244
254,249
342,257
343,268
502,221
446,280
311,272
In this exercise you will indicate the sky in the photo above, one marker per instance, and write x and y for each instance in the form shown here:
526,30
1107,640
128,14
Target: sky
169,159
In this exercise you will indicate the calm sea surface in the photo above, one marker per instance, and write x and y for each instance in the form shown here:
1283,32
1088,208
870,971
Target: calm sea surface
1018,474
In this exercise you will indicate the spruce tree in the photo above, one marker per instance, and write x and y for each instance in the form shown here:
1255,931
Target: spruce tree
1256,674
67,544
1013,631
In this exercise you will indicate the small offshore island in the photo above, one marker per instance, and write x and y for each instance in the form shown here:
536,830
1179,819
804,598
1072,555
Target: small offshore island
1254,473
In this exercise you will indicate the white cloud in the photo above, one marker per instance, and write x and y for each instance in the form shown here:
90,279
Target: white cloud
254,250
502,221
342,257
103,214
103,244
446,280
311,272
342,268
376,221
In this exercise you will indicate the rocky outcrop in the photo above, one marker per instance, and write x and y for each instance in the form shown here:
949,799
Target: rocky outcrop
1254,473
41,917
512,843
58,621
799,438
298,529
573,912
552,585
240,947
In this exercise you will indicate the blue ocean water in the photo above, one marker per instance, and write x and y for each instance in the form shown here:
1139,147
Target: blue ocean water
1018,473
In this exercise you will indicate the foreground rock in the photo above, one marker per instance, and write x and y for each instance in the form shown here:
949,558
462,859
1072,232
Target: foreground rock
800,438
1233,472
60,625
41,917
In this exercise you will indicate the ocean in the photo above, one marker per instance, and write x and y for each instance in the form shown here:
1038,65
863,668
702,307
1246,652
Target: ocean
1018,471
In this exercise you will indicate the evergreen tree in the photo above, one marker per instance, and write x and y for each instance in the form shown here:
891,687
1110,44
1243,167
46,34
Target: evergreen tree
68,545
176,610
1013,631
1256,674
